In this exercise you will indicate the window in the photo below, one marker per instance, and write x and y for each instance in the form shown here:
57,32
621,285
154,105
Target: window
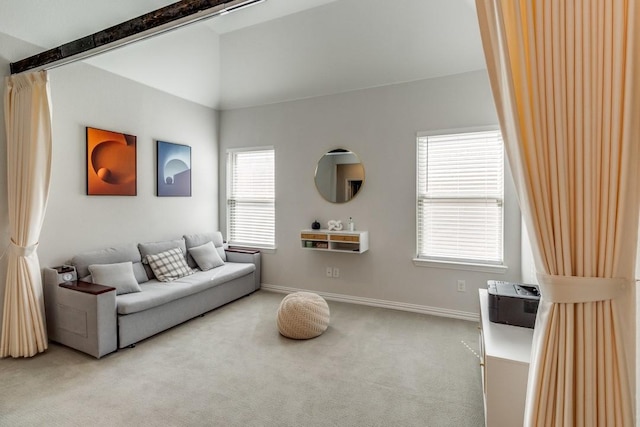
251,197
460,197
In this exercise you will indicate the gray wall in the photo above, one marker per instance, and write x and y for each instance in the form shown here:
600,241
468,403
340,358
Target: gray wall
379,125
86,96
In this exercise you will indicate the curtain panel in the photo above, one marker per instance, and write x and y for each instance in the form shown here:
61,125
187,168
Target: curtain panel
564,76
28,125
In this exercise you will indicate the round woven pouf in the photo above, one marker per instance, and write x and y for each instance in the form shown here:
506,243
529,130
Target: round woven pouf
303,315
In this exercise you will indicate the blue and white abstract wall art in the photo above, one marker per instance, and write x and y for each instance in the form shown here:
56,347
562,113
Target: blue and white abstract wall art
174,170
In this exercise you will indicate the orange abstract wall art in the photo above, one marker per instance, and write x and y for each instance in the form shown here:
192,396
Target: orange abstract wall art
111,163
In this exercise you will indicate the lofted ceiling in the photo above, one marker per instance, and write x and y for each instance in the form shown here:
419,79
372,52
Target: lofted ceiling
274,51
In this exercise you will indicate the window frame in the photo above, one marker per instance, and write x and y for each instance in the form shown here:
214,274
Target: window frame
422,260
231,152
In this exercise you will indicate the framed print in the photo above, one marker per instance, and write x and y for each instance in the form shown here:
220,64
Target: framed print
173,170
111,163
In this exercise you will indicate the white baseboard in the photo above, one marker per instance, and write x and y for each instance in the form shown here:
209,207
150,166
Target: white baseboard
434,311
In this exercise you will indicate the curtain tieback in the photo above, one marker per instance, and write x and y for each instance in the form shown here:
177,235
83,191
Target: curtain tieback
23,251
573,289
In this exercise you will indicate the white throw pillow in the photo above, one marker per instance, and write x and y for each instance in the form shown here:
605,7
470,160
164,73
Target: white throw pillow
206,256
119,275
169,265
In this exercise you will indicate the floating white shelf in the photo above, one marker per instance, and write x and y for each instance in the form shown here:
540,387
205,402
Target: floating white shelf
335,241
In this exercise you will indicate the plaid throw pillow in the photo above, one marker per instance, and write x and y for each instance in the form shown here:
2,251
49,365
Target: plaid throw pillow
169,265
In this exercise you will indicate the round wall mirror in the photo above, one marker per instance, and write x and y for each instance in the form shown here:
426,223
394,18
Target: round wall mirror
339,175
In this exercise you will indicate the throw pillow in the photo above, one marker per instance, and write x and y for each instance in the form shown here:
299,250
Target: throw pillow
193,240
119,275
206,256
169,265
153,248
112,255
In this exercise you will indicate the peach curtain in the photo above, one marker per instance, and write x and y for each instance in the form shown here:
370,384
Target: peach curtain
27,109
564,75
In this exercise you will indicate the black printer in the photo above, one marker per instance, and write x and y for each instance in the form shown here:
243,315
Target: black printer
513,303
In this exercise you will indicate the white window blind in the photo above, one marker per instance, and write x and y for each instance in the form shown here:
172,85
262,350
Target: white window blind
251,198
460,197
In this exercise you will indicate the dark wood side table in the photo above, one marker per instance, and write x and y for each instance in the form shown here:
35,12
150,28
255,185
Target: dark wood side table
242,251
87,287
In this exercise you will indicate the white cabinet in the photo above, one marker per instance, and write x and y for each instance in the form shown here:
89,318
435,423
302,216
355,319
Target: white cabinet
506,351
335,241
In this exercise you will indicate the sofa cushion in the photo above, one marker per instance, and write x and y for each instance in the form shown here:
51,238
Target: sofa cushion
155,293
140,272
193,240
111,256
169,265
206,256
119,275
217,276
153,248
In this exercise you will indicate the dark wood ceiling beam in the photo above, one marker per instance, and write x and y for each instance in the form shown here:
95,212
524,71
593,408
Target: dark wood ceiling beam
152,23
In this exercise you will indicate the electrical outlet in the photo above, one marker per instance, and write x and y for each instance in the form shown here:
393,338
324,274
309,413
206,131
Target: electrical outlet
462,286
336,272
329,272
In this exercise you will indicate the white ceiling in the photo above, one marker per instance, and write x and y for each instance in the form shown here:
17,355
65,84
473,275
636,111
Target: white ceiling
273,51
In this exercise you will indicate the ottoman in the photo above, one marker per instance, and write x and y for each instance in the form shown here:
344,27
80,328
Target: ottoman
303,315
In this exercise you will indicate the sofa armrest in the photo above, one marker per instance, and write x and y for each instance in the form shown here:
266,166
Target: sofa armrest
247,256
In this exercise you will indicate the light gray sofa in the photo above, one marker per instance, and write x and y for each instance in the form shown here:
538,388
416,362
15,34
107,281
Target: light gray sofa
95,320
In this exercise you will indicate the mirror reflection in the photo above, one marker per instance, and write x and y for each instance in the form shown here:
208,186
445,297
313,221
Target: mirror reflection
339,175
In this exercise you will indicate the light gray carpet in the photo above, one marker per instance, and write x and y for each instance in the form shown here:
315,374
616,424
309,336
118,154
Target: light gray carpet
372,367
